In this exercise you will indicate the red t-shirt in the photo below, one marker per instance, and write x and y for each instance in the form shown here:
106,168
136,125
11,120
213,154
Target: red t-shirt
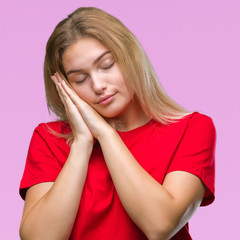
187,145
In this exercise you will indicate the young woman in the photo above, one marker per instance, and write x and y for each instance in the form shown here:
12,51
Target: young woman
124,161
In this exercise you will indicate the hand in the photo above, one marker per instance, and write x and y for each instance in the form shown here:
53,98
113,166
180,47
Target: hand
78,126
78,111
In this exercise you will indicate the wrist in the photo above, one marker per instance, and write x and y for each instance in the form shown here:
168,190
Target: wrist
106,133
82,144
79,154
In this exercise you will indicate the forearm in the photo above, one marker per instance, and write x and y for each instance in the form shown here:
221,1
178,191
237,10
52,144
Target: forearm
146,201
53,216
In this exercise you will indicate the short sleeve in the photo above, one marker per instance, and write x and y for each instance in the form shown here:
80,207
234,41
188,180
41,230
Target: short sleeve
41,163
196,153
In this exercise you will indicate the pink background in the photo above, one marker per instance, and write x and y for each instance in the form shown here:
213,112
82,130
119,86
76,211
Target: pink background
194,47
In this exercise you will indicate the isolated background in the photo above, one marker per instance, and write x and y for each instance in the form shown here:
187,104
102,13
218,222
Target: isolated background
194,47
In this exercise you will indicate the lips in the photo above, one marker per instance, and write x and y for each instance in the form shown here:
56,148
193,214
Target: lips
105,99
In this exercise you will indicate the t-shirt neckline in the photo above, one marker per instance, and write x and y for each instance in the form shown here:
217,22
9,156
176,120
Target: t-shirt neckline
137,129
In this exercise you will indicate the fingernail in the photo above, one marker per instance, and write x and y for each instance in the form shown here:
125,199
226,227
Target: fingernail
52,77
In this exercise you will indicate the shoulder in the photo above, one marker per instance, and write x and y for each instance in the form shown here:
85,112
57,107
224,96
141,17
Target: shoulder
60,127
196,118
195,152
200,124
199,118
198,139
51,133
195,131
194,122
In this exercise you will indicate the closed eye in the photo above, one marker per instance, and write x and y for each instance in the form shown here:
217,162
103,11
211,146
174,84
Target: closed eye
108,67
81,81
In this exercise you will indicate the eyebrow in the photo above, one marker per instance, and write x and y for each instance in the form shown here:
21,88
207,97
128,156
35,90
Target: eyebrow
95,62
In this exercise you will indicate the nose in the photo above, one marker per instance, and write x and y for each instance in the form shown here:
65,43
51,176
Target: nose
98,84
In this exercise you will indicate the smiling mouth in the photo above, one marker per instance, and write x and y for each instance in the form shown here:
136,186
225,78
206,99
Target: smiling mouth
106,99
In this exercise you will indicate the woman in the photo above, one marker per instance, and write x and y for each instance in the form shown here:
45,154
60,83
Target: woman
125,161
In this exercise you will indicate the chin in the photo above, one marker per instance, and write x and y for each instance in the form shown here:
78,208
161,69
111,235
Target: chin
114,111
108,114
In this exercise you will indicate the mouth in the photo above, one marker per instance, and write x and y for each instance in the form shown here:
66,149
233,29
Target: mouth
106,99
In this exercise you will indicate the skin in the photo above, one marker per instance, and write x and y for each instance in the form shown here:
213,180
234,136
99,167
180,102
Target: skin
92,80
160,213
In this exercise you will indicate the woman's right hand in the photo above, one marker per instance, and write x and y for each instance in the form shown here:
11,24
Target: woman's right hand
79,128
40,209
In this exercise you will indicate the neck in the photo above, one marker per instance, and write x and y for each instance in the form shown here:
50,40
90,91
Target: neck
132,118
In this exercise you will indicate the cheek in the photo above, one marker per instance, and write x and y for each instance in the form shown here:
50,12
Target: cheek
122,84
83,93
127,91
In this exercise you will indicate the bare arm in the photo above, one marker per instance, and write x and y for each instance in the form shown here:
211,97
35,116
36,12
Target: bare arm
50,208
158,210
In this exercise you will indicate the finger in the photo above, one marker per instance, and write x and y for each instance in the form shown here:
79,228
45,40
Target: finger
57,85
64,97
60,79
83,108
59,82
62,94
70,106
71,93
61,97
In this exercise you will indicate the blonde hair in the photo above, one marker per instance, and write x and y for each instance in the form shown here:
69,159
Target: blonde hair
126,50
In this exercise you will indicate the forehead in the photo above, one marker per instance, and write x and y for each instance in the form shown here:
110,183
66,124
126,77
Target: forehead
82,52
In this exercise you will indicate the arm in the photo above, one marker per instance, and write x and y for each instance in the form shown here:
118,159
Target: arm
158,210
50,208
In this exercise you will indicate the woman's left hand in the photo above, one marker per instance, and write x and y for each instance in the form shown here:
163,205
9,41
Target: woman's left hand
171,203
96,124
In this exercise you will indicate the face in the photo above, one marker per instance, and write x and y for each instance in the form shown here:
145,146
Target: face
96,77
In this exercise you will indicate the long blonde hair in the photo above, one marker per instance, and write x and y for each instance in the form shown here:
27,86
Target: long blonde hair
126,50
